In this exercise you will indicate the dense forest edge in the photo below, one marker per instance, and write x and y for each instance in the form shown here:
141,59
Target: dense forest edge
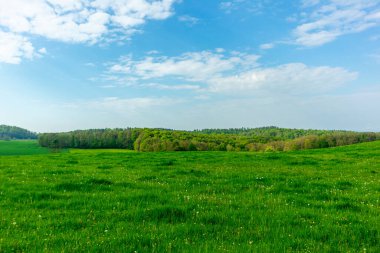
239,139
16,133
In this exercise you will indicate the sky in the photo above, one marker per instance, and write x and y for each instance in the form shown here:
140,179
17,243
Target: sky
190,64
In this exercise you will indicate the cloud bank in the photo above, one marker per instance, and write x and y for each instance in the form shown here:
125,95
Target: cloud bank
229,73
73,21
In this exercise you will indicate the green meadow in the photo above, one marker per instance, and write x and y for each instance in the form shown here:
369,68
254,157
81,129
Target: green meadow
21,147
323,200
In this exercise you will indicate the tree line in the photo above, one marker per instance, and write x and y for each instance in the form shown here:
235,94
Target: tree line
271,133
149,140
13,132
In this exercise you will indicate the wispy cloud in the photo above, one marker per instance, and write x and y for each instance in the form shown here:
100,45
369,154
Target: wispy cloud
267,46
309,3
173,87
190,20
90,64
247,5
323,21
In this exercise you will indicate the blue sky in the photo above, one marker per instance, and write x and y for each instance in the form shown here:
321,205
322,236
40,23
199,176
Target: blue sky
189,64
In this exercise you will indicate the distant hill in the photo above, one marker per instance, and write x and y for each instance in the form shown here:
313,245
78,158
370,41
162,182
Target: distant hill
15,133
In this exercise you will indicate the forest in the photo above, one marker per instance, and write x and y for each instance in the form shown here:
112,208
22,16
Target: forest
15,133
244,139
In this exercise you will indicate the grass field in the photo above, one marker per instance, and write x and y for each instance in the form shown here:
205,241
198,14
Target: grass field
22,147
116,201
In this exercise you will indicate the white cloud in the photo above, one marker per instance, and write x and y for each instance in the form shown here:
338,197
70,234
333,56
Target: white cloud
13,48
329,19
78,21
254,7
173,87
42,51
90,64
192,66
309,3
227,6
267,46
188,19
228,73
152,52
292,79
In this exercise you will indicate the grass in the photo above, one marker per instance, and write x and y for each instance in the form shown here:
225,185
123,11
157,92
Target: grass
121,201
22,147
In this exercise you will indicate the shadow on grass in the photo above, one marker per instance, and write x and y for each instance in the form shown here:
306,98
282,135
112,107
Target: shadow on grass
167,214
90,185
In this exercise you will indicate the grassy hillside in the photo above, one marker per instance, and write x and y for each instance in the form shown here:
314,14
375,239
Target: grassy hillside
21,147
121,201
15,133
